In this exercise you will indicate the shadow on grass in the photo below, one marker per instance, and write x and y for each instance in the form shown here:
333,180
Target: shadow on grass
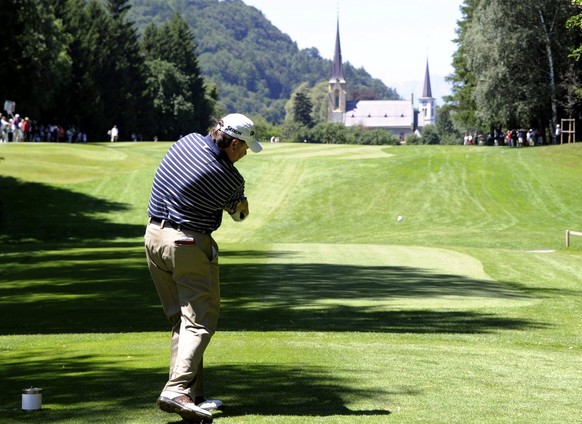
304,391
83,387
33,213
327,297
62,271
97,290
108,289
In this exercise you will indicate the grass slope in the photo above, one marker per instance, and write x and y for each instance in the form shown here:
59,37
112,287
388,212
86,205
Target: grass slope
333,312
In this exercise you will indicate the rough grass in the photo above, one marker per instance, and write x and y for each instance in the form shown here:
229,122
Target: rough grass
333,311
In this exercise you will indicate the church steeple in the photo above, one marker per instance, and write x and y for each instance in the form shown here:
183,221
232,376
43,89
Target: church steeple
426,90
337,84
338,67
427,102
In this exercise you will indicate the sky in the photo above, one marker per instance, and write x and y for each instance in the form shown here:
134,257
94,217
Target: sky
391,39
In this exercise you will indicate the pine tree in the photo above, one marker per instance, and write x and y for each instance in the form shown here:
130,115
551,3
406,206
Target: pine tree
123,78
182,103
80,101
302,109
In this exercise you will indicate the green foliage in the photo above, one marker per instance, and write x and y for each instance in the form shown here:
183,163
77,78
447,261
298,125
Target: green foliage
336,133
181,103
413,139
320,101
302,109
498,81
169,89
107,81
447,132
80,102
122,77
463,108
265,130
374,137
451,139
574,23
331,133
255,67
295,132
35,62
430,135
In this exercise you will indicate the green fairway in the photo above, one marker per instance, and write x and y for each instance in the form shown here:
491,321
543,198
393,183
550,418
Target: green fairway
333,311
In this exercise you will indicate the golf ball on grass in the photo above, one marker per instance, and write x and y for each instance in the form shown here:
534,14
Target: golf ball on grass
400,218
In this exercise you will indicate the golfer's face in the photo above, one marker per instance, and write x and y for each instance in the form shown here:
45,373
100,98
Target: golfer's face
237,150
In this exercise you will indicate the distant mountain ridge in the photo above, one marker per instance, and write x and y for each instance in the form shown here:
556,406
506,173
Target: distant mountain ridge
254,65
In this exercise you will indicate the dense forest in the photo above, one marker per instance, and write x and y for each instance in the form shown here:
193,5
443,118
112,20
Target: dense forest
166,67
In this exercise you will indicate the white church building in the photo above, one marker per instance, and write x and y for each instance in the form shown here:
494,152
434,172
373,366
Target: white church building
398,116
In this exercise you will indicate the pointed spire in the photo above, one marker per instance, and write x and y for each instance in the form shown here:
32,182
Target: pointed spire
338,69
426,90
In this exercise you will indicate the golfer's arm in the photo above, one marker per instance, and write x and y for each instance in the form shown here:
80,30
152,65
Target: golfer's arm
240,206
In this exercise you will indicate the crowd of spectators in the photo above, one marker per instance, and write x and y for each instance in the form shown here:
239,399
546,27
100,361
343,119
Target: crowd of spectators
18,129
511,138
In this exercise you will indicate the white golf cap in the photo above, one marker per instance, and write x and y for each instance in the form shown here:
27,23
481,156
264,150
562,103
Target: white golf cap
239,126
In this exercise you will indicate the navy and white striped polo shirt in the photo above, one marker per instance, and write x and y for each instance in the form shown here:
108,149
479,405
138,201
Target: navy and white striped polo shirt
193,184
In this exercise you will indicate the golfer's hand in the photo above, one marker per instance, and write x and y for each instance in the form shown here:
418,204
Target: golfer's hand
241,211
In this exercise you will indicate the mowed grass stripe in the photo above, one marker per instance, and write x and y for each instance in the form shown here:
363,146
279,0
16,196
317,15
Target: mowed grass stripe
440,191
62,163
329,151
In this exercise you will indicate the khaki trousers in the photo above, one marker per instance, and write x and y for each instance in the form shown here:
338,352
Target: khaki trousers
184,267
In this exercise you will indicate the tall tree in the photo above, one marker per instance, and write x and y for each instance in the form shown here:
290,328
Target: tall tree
302,109
515,55
299,108
572,82
35,63
319,97
107,84
448,134
80,100
123,78
168,87
461,102
183,102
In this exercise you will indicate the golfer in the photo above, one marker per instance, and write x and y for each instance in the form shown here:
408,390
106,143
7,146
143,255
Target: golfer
195,182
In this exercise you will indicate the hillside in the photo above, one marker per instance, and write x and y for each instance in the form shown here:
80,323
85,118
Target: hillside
255,66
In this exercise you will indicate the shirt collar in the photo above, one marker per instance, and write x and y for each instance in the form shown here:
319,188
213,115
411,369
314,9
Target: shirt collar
215,149
212,145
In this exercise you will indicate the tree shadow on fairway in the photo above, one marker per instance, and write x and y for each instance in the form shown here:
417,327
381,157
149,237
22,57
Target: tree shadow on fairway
62,267
331,297
115,388
101,290
107,289
34,214
276,389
